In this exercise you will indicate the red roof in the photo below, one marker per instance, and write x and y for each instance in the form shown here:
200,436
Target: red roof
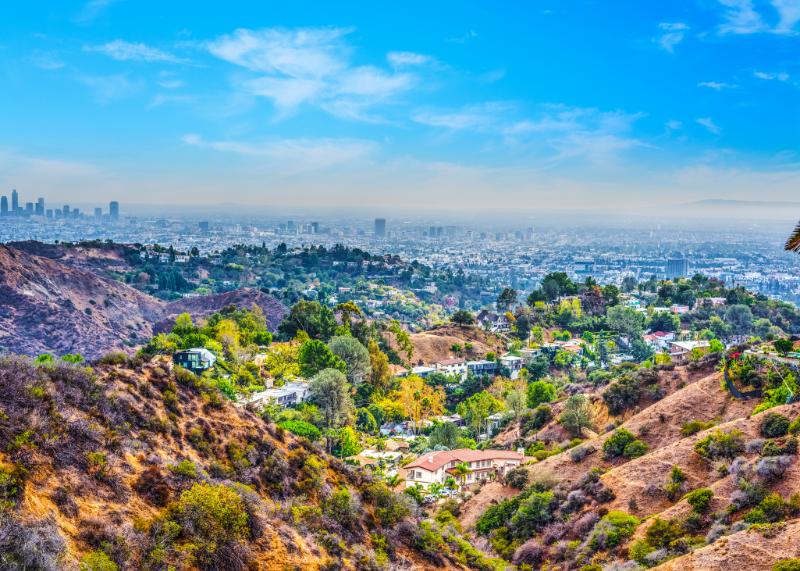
434,460
446,362
573,349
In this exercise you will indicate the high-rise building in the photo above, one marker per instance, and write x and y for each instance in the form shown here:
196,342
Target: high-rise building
4,206
98,214
380,227
315,227
58,213
76,212
41,201
49,213
14,201
432,232
677,268
29,208
451,231
113,209
529,235
438,231
65,210
290,225
39,206
203,226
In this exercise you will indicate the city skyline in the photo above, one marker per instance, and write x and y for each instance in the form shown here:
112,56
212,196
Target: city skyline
544,104
38,208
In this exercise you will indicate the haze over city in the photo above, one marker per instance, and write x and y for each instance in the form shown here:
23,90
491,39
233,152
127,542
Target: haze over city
450,106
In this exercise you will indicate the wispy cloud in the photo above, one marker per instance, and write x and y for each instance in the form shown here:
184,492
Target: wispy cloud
405,59
111,87
308,153
122,50
44,60
742,17
178,99
460,40
717,86
174,84
674,125
708,123
311,65
673,35
492,76
473,117
92,10
779,76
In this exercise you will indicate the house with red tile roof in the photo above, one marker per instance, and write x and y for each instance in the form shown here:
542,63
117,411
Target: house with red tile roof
438,466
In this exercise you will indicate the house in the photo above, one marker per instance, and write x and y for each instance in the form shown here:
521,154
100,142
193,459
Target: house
480,368
397,429
378,459
452,366
515,364
422,372
181,259
530,353
713,300
438,466
493,321
680,351
398,371
195,360
393,445
678,309
289,395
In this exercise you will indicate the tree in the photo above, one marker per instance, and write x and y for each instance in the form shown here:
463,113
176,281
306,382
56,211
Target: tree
719,327
354,355
462,317
478,408
506,300
626,320
419,400
665,321
348,442
538,335
394,480
377,413
403,339
523,327
347,310
740,319
641,351
183,323
602,351
315,356
365,421
762,327
628,284
516,399
578,414
380,373
331,393
783,346
281,362
460,472
540,392
317,320
446,434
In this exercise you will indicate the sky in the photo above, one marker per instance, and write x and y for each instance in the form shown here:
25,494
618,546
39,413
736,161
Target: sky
442,105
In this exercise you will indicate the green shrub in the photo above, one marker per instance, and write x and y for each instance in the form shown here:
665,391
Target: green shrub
727,445
185,469
301,428
217,516
635,449
794,428
787,565
774,508
700,500
661,533
615,445
695,426
675,483
622,394
773,425
638,550
97,561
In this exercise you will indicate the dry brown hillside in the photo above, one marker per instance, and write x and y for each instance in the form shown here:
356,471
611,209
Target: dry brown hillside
104,459
434,344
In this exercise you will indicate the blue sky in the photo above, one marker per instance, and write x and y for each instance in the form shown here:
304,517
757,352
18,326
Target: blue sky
523,105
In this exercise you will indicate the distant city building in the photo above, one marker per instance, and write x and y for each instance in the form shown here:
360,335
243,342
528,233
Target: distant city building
29,208
50,213
438,231
65,210
432,232
113,209
98,214
14,201
315,227
451,231
529,235
380,227
39,208
41,202
4,206
58,213
677,268
203,226
76,212
290,225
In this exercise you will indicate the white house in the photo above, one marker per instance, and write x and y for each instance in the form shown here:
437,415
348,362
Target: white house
514,363
680,351
452,366
438,466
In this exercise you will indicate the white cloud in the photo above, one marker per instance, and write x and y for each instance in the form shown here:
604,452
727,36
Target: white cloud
171,84
44,60
715,85
674,35
162,99
778,76
473,117
708,123
401,59
789,11
311,65
122,50
674,125
492,76
469,35
296,153
742,17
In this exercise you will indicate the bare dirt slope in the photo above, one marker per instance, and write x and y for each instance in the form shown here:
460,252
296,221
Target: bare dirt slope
490,494
747,550
434,344
89,259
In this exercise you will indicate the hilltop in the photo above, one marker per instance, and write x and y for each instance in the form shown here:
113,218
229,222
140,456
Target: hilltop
51,307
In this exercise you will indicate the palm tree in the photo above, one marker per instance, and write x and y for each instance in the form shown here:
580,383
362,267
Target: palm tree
435,489
461,472
793,243
394,481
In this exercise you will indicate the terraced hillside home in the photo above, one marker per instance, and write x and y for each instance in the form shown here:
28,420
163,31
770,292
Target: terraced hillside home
195,360
438,466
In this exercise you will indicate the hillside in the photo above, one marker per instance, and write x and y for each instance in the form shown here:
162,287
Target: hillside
130,462
46,306
434,344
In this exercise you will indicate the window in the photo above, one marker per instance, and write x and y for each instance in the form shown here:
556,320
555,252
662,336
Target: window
419,475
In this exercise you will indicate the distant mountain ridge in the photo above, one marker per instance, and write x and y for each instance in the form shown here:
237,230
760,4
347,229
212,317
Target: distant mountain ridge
723,208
